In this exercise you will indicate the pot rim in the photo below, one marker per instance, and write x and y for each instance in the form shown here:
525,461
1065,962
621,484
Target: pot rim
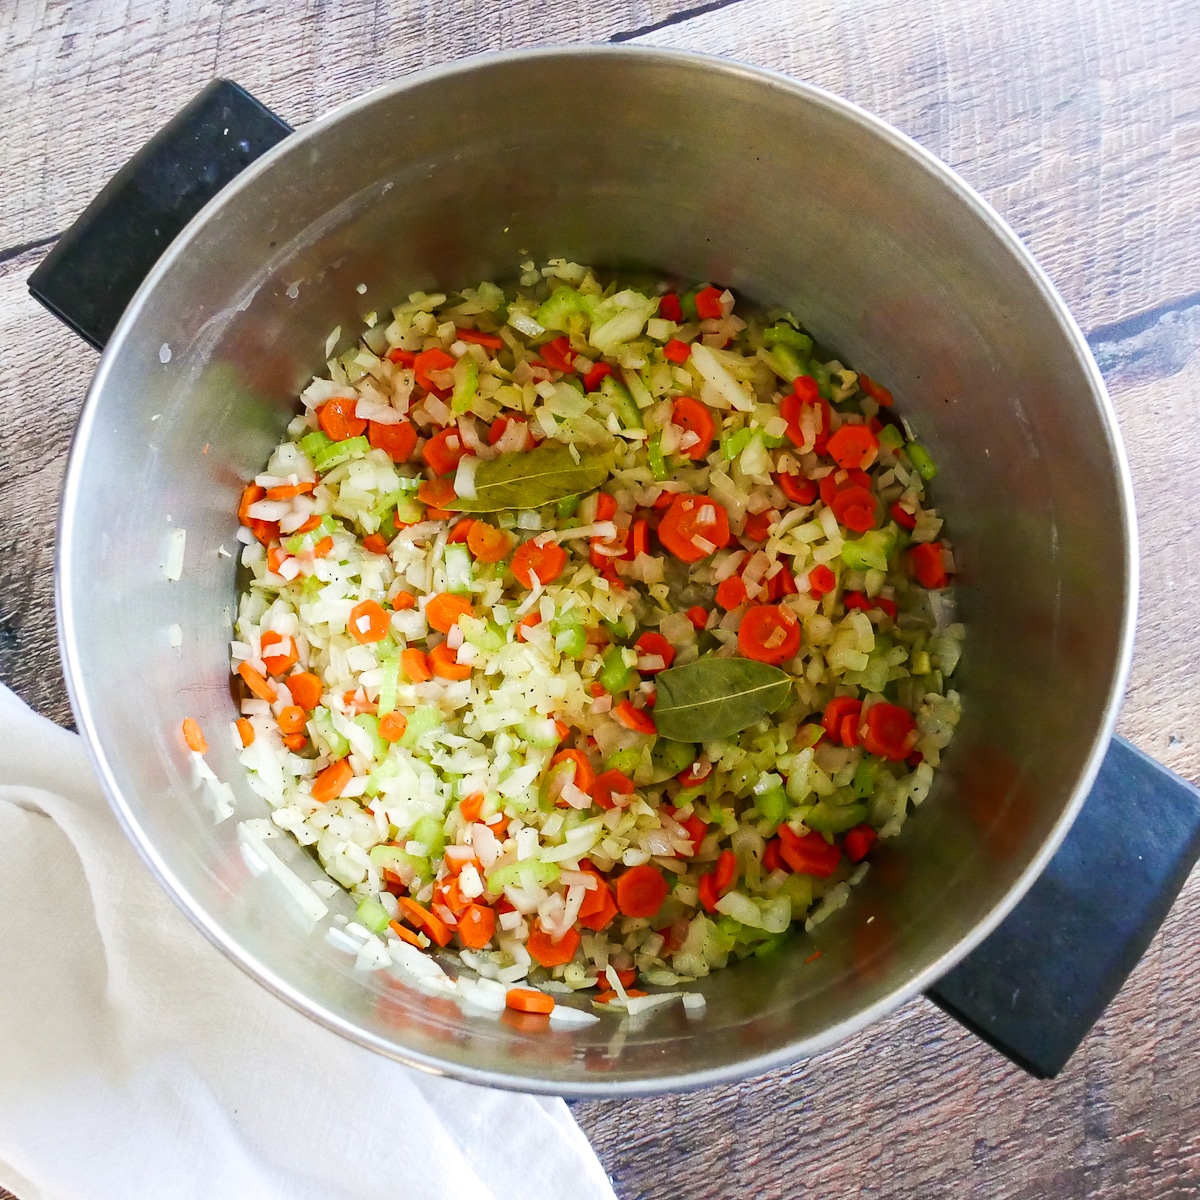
792,1051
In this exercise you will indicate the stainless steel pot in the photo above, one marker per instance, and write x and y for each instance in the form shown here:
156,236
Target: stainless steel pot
619,157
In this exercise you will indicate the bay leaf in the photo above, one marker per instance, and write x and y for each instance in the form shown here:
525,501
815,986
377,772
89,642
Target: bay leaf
714,698
531,478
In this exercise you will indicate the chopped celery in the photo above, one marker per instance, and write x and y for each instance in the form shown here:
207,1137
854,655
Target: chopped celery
320,725
735,443
459,573
891,437
654,455
615,676
617,394
301,542
567,507
922,463
540,732
637,388
421,721
339,452
798,889
466,384
370,723
385,856
835,818
554,312
820,372
429,832
388,769
772,804
531,869
865,775
872,549
372,915
786,363
625,760
784,335
313,443
389,684
687,302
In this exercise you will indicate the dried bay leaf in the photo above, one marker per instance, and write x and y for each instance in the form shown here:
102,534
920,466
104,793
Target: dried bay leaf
714,698
531,478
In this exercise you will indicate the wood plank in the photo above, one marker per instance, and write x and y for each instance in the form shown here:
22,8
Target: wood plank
1080,122
87,83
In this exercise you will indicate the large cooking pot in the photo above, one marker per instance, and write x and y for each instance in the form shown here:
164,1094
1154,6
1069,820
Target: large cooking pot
707,170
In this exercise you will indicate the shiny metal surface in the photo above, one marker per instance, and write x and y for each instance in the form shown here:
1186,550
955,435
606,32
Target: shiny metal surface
781,191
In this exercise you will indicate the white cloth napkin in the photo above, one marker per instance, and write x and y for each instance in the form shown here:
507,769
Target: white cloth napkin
136,1063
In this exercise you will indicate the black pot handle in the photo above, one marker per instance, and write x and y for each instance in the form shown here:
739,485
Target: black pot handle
91,274
1035,987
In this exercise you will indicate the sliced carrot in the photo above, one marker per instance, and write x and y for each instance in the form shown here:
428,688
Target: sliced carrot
287,491
547,952
558,354
251,494
821,581
546,562
437,493
636,719
758,525
420,916
769,633
278,662
725,872
698,616
689,414
398,439
528,621
331,782
245,731
888,731
528,1000
403,601
731,592
305,688
856,508
376,543
676,351
392,726
853,446
404,358
641,891
609,785
435,359
194,736
415,665
601,914
690,518
475,336
369,622
878,393
338,419
295,742
584,776
443,610
471,807
256,683
708,304
322,547
487,543
443,662
461,530
928,565
310,524
293,719
443,450
406,935
476,925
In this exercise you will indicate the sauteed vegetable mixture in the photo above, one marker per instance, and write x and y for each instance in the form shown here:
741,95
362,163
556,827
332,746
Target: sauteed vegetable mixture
596,631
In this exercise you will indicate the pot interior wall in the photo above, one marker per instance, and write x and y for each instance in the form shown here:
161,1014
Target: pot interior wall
608,158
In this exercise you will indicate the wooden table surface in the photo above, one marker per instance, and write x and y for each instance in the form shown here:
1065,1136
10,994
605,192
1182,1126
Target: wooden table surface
1080,122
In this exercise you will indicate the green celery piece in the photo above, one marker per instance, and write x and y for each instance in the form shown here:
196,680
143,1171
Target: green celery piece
769,944
301,542
773,442
637,388
891,437
389,684
567,507
872,549
502,877
687,302
459,572
798,889
625,761
623,404
786,363
922,463
555,311
370,722
772,804
466,384
390,856
614,675
784,335
337,453
654,456
735,443
865,775
372,914
420,722
429,832
388,769
820,372
571,642
835,818
622,628
313,443
321,724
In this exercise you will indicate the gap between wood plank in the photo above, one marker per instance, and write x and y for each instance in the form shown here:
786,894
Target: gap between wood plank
25,247
678,18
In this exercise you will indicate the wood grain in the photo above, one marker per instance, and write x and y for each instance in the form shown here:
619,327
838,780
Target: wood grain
1080,121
